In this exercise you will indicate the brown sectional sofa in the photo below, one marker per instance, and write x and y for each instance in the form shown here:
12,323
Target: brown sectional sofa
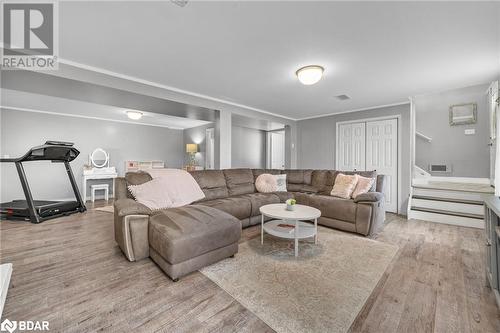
181,240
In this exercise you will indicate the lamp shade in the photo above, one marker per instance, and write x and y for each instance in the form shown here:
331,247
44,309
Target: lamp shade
191,148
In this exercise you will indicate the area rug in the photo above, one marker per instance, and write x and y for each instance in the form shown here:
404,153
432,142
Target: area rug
322,290
106,209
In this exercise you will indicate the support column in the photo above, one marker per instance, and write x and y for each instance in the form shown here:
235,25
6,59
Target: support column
291,146
223,126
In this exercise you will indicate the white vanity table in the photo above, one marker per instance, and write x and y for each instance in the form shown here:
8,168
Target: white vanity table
99,160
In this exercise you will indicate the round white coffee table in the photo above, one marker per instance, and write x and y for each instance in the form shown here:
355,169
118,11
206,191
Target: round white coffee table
289,224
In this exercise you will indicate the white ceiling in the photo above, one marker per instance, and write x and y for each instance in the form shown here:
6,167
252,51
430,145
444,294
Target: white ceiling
247,52
25,101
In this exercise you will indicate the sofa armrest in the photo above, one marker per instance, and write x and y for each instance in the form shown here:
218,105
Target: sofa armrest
124,207
369,197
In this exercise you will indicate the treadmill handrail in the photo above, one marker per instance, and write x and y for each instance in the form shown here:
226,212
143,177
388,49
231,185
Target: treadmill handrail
29,156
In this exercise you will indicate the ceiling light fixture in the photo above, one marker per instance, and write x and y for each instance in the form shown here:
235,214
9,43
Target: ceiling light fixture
134,115
310,74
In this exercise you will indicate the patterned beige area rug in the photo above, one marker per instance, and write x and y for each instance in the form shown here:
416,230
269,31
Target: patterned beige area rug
322,290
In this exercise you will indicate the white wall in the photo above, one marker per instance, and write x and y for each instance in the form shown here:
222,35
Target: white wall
248,148
23,130
468,154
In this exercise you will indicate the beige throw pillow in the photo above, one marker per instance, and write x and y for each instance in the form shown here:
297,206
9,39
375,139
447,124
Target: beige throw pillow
344,185
266,183
363,186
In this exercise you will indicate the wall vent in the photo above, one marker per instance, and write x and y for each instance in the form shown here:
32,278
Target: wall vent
441,168
342,97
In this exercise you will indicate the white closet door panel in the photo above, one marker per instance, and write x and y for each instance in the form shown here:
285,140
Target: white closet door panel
358,146
351,145
345,151
381,155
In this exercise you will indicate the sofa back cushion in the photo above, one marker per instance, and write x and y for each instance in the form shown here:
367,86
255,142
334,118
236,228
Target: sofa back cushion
136,178
258,172
239,181
299,180
322,180
212,183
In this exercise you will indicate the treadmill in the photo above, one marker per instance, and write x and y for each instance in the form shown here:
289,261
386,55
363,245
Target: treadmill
38,211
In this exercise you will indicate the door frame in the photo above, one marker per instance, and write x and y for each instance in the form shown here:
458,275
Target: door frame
208,132
269,155
364,120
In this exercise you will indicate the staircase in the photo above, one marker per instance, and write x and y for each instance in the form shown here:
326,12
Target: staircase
452,202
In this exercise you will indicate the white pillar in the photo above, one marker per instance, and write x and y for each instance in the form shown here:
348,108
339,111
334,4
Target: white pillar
223,126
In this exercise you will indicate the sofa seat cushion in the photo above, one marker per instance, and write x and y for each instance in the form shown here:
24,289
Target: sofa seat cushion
239,181
238,206
258,200
334,208
179,234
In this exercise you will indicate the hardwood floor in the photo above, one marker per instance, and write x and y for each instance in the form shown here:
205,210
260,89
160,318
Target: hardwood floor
69,271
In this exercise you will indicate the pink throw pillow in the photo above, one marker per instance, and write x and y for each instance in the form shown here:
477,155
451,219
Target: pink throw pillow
344,185
266,183
363,186
152,194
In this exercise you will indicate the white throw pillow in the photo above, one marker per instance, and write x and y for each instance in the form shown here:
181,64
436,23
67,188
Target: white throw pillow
266,183
179,185
151,194
281,180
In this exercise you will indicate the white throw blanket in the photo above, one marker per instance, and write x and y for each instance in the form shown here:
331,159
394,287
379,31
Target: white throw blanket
180,186
169,188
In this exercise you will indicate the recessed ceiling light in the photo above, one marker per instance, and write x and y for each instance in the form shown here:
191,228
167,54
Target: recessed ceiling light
310,74
134,115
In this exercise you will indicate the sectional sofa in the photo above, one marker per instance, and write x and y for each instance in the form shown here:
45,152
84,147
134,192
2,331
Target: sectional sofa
181,240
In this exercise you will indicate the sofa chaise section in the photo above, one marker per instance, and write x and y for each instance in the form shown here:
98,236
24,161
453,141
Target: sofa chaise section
184,239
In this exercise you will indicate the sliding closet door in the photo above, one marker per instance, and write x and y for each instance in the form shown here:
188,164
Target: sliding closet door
382,155
351,146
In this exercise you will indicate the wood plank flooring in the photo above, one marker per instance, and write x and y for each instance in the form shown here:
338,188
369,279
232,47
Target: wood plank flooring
69,271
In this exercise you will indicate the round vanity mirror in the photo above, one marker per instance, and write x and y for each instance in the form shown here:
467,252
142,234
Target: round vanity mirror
99,158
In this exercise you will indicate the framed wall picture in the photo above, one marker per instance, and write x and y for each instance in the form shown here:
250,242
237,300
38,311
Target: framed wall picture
463,114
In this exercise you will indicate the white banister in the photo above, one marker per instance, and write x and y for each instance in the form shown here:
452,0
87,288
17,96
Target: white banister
425,137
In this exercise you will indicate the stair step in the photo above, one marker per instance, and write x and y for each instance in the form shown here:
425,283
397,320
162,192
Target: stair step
448,194
446,219
458,187
449,206
462,201
447,212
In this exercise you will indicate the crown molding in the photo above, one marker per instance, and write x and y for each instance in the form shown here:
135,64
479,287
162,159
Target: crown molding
15,108
355,110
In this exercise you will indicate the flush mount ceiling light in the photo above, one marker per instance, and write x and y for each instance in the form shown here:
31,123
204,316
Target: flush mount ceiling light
134,115
309,74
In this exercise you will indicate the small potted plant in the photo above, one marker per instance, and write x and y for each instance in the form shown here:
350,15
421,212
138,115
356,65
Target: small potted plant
290,204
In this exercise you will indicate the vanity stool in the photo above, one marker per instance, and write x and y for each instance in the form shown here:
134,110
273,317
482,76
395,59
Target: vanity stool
98,187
